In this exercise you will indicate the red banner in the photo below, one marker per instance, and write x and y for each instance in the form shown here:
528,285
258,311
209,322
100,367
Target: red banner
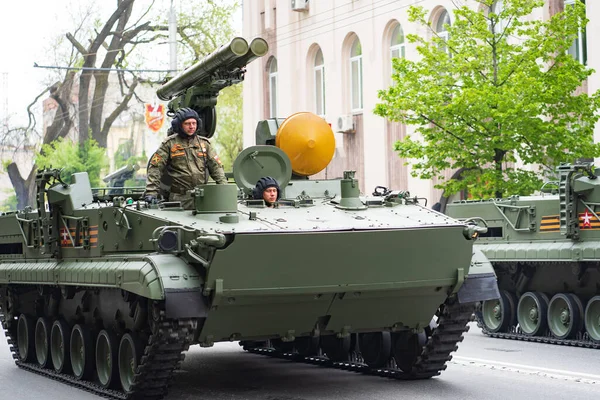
155,116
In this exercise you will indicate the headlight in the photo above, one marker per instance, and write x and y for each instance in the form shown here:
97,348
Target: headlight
168,241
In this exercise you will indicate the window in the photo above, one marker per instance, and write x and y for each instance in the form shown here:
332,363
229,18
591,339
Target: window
578,48
397,47
273,88
356,75
319,70
440,28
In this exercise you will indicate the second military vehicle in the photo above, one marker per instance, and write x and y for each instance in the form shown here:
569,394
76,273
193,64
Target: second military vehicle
107,295
545,250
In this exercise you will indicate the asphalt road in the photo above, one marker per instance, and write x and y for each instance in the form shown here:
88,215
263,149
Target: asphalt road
483,368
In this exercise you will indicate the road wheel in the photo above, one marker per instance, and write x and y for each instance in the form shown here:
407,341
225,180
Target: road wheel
532,313
107,350
130,352
59,346
499,315
307,346
565,315
82,352
336,349
42,341
592,318
25,338
407,348
375,348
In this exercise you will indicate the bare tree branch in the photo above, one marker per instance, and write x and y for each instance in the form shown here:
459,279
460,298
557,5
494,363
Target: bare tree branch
120,108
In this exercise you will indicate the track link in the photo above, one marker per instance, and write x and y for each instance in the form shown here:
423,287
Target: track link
514,333
163,354
452,324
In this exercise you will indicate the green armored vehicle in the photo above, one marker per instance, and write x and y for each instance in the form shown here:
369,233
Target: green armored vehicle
107,295
546,253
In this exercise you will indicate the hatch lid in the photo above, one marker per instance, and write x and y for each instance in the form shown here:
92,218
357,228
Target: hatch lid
256,162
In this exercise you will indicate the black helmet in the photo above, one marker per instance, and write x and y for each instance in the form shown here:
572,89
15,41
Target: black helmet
183,114
262,184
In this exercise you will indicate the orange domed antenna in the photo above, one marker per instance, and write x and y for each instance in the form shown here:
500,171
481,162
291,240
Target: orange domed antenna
308,141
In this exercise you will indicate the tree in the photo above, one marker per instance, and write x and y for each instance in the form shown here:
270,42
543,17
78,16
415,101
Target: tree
500,91
229,133
10,203
72,157
122,40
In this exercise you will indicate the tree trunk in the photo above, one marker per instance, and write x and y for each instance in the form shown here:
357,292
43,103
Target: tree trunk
116,46
498,159
89,57
61,124
24,188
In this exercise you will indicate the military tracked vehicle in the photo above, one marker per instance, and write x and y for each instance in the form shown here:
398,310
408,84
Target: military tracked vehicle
546,253
108,294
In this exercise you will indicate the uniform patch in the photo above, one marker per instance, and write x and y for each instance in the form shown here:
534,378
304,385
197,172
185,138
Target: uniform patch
156,159
218,160
177,150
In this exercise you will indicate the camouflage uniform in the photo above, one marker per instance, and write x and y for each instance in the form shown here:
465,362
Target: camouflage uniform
188,160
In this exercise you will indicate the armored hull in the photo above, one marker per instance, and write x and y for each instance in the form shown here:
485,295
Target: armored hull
108,295
545,251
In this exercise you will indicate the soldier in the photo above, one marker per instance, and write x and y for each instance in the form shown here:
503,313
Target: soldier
267,189
188,158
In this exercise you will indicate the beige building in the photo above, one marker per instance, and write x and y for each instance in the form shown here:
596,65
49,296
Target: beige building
332,56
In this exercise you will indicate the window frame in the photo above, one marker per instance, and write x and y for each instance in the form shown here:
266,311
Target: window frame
319,84
400,47
273,93
358,60
580,43
443,32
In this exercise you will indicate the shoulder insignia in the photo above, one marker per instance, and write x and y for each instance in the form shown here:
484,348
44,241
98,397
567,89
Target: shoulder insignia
170,137
218,160
156,158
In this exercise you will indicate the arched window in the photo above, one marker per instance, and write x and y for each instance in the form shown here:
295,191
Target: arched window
356,76
319,70
578,48
273,88
440,28
397,47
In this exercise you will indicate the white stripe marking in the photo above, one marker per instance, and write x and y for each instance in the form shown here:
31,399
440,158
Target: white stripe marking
528,369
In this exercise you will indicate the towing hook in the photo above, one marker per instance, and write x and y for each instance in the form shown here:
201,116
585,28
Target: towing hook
473,230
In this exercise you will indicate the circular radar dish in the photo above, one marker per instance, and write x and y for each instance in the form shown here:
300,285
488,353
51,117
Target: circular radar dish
256,162
308,141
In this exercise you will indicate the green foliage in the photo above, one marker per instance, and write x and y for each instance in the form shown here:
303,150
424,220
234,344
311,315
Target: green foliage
63,153
501,91
204,26
125,155
229,134
9,204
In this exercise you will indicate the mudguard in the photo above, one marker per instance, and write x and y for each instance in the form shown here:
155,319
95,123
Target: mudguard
481,283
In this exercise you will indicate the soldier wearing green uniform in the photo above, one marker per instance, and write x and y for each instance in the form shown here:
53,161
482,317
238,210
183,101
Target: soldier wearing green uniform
187,157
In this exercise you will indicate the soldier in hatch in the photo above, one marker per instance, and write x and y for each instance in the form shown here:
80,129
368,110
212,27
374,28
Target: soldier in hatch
188,158
267,189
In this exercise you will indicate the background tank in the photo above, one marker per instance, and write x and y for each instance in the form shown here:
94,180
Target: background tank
545,250
107,295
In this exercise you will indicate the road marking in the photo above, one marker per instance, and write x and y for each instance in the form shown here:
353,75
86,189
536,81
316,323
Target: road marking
528,369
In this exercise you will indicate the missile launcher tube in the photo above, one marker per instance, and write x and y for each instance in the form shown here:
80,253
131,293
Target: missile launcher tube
224,56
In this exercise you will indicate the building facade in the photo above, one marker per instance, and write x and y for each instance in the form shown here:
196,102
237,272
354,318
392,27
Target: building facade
332,56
